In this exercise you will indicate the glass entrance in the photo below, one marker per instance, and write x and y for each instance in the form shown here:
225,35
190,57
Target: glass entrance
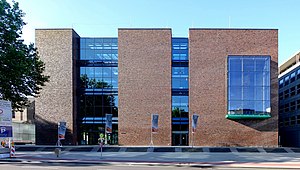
180,139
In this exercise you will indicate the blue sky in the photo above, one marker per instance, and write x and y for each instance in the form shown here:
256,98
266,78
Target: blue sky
102,18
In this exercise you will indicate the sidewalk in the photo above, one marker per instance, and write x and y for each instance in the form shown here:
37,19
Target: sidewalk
192,159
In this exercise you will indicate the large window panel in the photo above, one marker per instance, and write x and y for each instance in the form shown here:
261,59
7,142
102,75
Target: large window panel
235,106
262,64
235,78
248,79
235,93
107,72
248,93
98,71
249,85
248,64
90,71
235,64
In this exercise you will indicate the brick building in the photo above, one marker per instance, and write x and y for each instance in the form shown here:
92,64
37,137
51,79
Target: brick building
226,76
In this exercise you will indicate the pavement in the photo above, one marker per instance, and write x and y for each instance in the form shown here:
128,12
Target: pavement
235,157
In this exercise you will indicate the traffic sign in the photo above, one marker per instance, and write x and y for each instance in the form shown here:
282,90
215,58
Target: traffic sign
5,131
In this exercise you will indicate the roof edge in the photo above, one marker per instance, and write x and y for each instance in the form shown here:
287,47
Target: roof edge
144,29
233,29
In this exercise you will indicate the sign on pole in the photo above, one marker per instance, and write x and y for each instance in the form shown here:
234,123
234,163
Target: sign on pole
154,123
5,119
5,131
194,122
62,126
108,123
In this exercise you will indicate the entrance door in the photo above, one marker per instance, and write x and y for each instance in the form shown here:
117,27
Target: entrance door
180,139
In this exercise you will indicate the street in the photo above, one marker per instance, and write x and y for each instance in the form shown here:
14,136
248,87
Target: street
151,160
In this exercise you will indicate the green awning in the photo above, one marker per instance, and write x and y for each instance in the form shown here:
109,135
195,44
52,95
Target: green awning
236,116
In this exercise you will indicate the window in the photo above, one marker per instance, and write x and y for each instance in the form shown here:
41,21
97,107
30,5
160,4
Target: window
281,109
293,91
298,74
280,95
249,85
293,77
286,80
293,120
286,93
298,89
293,106
298,104
286,122
281,83
180,49
286,108
298,119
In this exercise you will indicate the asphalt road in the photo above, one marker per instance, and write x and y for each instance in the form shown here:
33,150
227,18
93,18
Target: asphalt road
43,166
151,160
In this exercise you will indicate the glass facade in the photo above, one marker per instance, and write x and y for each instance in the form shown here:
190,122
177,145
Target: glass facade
180,98
249,85
289,108
98,89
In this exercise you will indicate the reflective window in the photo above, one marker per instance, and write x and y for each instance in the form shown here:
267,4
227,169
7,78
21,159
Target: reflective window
180,49
293,77
249,85
98,93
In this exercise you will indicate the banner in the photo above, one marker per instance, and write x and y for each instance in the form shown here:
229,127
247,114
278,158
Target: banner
62,126
108,123
154,123
194,122
5,113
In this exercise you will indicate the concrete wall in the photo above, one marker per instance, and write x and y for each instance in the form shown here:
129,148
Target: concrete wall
144,85
57,98
208,51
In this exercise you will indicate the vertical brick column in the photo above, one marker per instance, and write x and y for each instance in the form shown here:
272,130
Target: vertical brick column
144,85
57,99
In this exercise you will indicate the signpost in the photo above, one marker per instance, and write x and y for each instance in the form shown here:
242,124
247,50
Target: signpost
6,130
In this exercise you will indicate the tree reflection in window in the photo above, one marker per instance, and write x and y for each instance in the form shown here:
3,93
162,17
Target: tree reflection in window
92,83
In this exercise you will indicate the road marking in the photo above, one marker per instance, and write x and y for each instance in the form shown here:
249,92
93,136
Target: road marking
37,167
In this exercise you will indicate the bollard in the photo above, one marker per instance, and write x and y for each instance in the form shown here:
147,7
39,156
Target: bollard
12,150
57,152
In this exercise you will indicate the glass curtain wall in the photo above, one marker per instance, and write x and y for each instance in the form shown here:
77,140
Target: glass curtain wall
98,89
249,85
180,98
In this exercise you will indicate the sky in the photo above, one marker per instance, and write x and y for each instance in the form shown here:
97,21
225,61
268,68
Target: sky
102,18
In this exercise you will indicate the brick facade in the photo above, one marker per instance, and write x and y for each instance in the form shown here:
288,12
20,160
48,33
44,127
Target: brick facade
208,51
57,99
144,85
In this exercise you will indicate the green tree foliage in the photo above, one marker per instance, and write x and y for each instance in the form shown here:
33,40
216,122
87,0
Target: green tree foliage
21,70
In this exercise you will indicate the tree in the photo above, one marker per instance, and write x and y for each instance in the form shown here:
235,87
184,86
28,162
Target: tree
21,70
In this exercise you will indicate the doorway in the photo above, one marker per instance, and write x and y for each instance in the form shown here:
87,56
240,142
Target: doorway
180,139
